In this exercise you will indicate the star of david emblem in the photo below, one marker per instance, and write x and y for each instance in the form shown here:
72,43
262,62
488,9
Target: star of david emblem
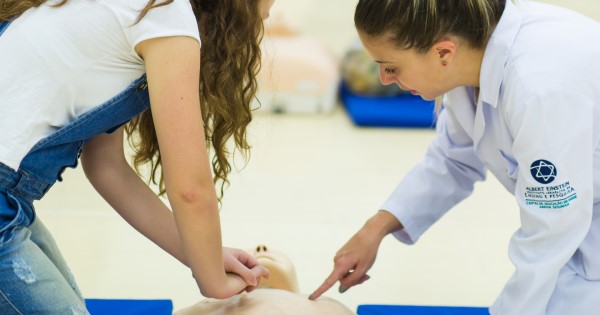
543,171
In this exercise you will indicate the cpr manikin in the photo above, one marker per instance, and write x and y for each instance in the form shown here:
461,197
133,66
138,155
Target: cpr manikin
277,295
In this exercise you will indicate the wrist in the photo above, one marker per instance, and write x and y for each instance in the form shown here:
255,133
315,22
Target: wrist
382,224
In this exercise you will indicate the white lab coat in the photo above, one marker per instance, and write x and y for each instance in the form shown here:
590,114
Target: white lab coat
535,126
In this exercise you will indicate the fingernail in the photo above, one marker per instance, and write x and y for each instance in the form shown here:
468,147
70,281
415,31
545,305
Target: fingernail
343,289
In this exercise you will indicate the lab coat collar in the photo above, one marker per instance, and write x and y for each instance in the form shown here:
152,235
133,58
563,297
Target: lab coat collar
494,61
497,53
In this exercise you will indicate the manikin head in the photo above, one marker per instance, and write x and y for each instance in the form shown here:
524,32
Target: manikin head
282,274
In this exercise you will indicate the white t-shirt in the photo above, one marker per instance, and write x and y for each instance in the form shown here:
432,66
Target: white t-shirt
58,63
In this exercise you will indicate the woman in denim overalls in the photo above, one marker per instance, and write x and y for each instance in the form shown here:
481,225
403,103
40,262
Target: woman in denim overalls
33,275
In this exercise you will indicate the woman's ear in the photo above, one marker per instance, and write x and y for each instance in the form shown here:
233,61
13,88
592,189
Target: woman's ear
445,50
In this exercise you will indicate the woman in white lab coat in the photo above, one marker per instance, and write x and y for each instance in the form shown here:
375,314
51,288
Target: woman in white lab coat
521,86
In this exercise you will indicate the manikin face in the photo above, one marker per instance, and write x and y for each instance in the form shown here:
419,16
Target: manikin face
420,73
282,272
265,7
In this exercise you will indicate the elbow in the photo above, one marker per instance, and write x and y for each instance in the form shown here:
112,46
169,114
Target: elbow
191,196
194,196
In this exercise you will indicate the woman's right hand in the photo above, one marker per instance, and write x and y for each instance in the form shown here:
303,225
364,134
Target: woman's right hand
356,257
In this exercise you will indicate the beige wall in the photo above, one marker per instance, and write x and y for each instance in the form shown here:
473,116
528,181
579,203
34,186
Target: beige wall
590,8
331,21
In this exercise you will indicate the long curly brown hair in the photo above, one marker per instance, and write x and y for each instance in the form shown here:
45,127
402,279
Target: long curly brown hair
230,60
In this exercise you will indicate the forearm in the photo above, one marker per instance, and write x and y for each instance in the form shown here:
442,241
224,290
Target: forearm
191,233
198,223
443,178
127,193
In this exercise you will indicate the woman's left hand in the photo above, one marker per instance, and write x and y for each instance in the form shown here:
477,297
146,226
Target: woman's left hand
243,264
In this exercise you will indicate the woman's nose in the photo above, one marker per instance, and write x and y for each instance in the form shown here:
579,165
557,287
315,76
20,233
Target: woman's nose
386,78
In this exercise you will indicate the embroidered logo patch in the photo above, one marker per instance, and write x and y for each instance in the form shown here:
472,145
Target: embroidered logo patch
550,197
544,172
546,196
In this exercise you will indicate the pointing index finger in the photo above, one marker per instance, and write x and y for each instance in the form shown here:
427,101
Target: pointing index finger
329,282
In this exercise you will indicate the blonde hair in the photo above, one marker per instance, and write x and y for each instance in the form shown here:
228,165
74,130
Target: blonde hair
419,24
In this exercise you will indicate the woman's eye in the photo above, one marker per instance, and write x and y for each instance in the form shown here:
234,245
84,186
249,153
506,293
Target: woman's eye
389,71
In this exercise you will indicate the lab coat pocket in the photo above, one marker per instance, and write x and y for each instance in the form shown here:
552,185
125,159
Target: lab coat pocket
512,167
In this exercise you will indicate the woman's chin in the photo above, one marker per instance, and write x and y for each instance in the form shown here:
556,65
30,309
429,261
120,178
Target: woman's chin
426,97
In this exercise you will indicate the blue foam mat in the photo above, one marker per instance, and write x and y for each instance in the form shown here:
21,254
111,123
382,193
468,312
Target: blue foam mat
419,310
129,307
404,110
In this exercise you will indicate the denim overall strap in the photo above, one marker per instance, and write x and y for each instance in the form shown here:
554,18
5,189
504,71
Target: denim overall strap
46,161
51,155
3,26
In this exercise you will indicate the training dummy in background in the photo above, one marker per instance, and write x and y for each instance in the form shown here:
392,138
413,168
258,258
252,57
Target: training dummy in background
299,74
279,294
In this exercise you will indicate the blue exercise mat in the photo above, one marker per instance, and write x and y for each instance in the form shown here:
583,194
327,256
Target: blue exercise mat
406,110
419,310
129,307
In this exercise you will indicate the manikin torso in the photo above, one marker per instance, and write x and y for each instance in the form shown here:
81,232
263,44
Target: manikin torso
277,295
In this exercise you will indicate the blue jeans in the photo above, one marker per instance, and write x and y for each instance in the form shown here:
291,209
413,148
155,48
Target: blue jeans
34,278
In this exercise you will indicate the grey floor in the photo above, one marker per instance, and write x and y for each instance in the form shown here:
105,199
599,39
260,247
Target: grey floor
311,182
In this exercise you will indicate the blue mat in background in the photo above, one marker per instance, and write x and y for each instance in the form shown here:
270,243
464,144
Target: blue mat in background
129,307
406,110
165,307
419,310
